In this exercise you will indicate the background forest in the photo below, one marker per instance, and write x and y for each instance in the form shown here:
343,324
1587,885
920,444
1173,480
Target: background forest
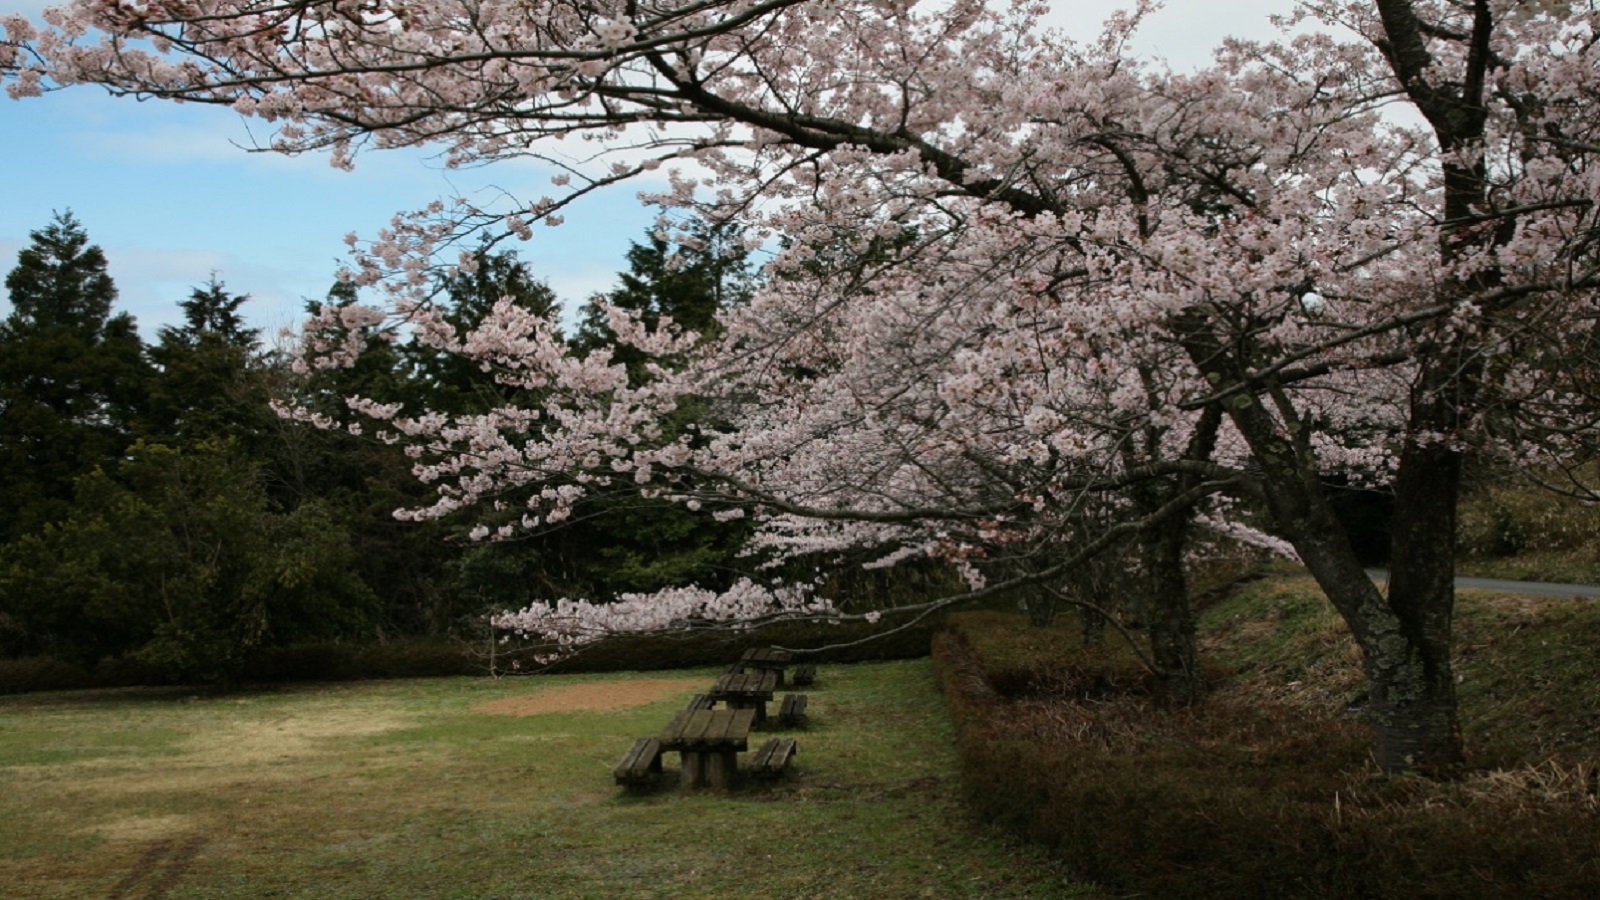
163,521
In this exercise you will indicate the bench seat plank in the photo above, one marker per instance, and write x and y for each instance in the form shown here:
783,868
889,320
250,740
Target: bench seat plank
641,764
772,758
793,710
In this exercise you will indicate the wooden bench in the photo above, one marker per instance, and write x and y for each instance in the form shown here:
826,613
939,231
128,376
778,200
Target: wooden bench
746,690
793,710
734,668
641,765
709,741
767,659
701,701
772,758
806,674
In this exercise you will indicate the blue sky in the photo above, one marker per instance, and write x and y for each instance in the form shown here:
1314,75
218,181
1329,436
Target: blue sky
170,195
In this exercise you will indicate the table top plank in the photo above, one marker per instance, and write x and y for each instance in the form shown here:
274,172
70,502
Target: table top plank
701,729
768,656
698,726
735,727
746,683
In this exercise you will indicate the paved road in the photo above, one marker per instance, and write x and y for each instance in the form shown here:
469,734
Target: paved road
1534,588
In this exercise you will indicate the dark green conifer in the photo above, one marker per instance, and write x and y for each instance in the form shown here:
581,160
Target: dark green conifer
73,375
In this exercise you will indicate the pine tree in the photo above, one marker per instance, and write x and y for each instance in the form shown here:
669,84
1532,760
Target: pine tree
212,312
450,382
688,282
209,385
73,376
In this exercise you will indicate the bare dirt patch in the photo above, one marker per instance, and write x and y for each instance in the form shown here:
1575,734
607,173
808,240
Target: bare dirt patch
598,696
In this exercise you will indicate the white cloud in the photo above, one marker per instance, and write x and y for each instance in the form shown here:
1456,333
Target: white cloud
1182,33
30,8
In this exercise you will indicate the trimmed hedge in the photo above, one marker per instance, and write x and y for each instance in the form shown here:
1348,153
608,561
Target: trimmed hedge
413,658
428,658
819,641
1239,797
46,673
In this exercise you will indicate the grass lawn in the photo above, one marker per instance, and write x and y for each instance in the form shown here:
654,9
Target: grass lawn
405,789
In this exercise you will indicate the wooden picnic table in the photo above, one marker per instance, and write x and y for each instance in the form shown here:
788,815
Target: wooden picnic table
708,742
747,690
767,659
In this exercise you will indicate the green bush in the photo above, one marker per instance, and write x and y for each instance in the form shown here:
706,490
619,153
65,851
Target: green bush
48,673
330,661
1498,521
41,673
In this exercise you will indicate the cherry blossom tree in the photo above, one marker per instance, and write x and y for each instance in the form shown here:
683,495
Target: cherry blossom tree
1026,285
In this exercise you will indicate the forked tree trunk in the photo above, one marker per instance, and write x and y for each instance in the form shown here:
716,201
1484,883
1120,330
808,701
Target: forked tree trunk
1405,638
1404,641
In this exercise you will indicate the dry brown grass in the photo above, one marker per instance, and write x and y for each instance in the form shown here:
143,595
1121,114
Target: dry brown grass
598,696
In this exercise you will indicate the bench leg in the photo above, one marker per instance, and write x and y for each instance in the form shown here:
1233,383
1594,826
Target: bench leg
720,767
694,769
760,706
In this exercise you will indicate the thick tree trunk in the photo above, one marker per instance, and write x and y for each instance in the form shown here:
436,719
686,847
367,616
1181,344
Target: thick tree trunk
1413,700
1404,638
1168,614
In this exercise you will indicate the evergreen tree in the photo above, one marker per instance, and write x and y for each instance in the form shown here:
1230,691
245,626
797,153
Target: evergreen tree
73,375
212,313
209,383
179,558
361,481
450,382
688,282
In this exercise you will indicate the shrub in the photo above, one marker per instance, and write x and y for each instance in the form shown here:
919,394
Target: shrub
821,641
332,661
1498,521
41,673
1246,795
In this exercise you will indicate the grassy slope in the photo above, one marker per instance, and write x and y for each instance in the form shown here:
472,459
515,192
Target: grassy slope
398,789
1526,665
